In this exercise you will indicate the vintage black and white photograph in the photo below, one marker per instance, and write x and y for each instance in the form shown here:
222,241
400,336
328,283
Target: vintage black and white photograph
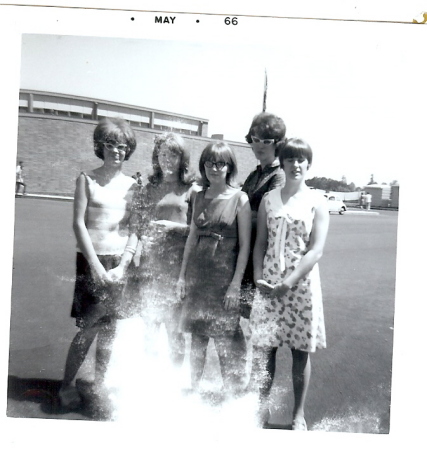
205,223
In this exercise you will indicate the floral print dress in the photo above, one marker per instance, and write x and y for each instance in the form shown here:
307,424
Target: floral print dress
296,319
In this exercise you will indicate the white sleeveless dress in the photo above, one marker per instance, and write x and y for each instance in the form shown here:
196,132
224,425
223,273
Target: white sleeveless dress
296,319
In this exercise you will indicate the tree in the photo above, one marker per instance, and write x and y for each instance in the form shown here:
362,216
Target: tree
328,184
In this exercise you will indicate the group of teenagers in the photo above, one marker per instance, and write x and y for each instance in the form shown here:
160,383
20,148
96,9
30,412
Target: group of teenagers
197,255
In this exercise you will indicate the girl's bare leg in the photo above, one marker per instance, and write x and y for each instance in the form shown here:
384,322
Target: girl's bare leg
239,354
199,345
104,343
231,354
77,353
301,371
262,378
263,370
176,341
177,347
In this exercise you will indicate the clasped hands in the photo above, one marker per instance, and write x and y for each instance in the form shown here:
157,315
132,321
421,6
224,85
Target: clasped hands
112,276
270,290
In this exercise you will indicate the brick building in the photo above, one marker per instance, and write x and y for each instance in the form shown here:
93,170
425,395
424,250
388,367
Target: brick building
55,138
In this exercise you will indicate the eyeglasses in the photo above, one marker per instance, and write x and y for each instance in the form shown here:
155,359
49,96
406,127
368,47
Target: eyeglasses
264,141
219,165
120,147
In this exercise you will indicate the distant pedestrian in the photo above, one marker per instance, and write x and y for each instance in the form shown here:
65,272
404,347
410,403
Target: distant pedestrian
138,178
20,178
368,200
291,233
362,200
102,204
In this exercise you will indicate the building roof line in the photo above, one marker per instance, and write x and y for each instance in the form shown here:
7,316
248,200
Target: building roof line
112,103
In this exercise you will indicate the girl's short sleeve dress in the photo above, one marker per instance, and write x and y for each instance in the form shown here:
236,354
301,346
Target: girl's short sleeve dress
295,320
211,267
161,261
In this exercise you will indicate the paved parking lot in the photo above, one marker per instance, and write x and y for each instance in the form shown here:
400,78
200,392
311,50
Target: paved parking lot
351,379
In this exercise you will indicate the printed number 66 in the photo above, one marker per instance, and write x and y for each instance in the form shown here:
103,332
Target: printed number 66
228,20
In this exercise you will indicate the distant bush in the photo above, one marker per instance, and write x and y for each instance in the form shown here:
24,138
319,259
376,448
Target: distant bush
328,184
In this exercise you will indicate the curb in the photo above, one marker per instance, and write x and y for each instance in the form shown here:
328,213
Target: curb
65,198
363,213
47,197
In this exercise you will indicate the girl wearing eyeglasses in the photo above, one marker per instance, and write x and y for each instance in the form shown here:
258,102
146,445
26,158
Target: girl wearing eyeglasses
102,203
215,258
292,227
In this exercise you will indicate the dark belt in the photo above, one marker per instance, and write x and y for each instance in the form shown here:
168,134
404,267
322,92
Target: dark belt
216,236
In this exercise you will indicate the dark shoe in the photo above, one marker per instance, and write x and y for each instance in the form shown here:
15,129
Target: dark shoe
69,397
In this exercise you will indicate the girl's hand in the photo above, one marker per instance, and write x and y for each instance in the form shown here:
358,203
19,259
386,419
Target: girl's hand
280,290
180,288
232,297
165,226
146,243
264,287
100,276
117,275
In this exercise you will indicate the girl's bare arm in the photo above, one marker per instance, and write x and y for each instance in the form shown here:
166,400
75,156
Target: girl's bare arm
80,230
244,223
315,250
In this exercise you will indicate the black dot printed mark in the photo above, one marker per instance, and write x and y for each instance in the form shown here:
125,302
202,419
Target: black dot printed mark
197,21
132,18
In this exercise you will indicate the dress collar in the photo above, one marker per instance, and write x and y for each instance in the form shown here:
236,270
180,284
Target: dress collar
273,165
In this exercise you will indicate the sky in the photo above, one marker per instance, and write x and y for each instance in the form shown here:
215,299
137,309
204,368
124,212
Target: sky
346,88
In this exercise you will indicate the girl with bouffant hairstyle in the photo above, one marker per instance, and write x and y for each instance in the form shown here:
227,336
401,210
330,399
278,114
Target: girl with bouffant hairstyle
102,203
113,130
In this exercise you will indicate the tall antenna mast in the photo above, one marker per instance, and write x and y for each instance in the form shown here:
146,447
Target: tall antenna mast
264,102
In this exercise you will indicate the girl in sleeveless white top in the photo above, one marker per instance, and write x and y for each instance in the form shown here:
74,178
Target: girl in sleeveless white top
291,232
101,214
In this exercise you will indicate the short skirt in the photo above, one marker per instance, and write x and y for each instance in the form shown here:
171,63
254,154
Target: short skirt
93,303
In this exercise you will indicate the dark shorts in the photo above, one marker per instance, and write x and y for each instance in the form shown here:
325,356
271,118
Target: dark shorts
93,304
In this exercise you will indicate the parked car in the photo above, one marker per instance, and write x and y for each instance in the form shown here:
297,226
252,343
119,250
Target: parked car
336,205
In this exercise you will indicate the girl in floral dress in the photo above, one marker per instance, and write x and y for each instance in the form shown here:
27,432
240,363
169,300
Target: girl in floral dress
291,233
